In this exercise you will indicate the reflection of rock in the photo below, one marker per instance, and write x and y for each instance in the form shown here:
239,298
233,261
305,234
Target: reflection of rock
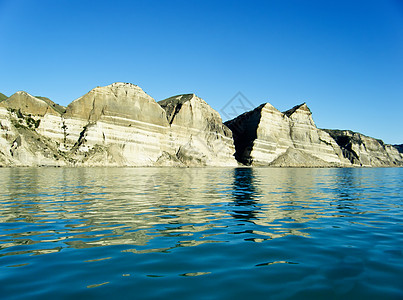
245,194
365,151
266,136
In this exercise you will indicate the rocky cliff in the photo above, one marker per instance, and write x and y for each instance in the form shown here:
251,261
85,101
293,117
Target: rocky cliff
120,125
268,137
115,125
365,151
197,133
21,119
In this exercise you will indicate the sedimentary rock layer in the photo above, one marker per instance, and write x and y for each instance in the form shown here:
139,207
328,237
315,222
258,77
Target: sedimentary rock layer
365,151
266,136
120,125
197,133
115,125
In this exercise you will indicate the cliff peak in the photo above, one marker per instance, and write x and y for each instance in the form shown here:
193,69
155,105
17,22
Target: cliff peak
120,88
28,104
298,108
173,105
117,100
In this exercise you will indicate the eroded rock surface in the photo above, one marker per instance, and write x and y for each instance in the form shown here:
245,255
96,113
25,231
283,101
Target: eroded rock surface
365,151
115,125
197,133
265,136
120,125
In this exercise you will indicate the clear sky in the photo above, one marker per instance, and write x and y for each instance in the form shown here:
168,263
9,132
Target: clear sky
344,58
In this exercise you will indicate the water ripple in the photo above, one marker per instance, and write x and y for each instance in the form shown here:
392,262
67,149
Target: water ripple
213,232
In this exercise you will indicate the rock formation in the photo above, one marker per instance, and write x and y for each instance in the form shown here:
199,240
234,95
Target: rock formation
120,125
399,148
266,136
365,151
21,119
115,125
197,133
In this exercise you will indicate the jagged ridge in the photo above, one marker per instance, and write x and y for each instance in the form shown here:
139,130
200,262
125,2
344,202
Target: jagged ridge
121,125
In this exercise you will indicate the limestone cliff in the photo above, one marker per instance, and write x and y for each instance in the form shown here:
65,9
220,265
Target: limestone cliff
365,151
120,125
266,136
115,125
197,133
21,117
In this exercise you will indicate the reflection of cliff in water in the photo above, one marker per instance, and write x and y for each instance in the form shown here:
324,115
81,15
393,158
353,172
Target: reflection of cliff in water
114,206
145,208
245,194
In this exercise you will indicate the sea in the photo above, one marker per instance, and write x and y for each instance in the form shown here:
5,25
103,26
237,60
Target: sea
201,233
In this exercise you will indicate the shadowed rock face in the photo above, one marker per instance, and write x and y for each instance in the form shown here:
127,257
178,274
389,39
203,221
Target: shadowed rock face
2,97
399,148
60,109
365,151
244,129
266,136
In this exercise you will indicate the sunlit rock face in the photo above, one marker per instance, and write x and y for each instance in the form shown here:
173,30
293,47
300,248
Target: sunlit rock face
120,125
365,151
266,136
25,123
115,125
197,134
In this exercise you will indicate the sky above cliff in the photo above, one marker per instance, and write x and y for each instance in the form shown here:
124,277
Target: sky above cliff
343,58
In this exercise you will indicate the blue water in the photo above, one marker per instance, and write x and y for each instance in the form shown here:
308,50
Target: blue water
201,233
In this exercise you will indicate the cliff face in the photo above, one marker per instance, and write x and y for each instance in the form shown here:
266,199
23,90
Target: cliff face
197,133
120,125
116,125
21,119
365,151
266,136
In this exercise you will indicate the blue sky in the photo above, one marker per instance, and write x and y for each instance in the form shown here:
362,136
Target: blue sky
344,58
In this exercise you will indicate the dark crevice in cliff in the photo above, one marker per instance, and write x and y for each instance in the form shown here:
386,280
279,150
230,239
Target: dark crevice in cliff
244,132
81,138
346,142
302,106
173,105
399,148
177,109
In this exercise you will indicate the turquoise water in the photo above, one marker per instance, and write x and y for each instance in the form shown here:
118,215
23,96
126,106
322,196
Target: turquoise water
201,233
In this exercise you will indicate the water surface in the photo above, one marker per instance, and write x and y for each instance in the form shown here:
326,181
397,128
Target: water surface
201,233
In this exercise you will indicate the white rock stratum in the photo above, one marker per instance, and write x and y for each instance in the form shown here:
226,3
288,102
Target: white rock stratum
268,137
120,125
115,125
